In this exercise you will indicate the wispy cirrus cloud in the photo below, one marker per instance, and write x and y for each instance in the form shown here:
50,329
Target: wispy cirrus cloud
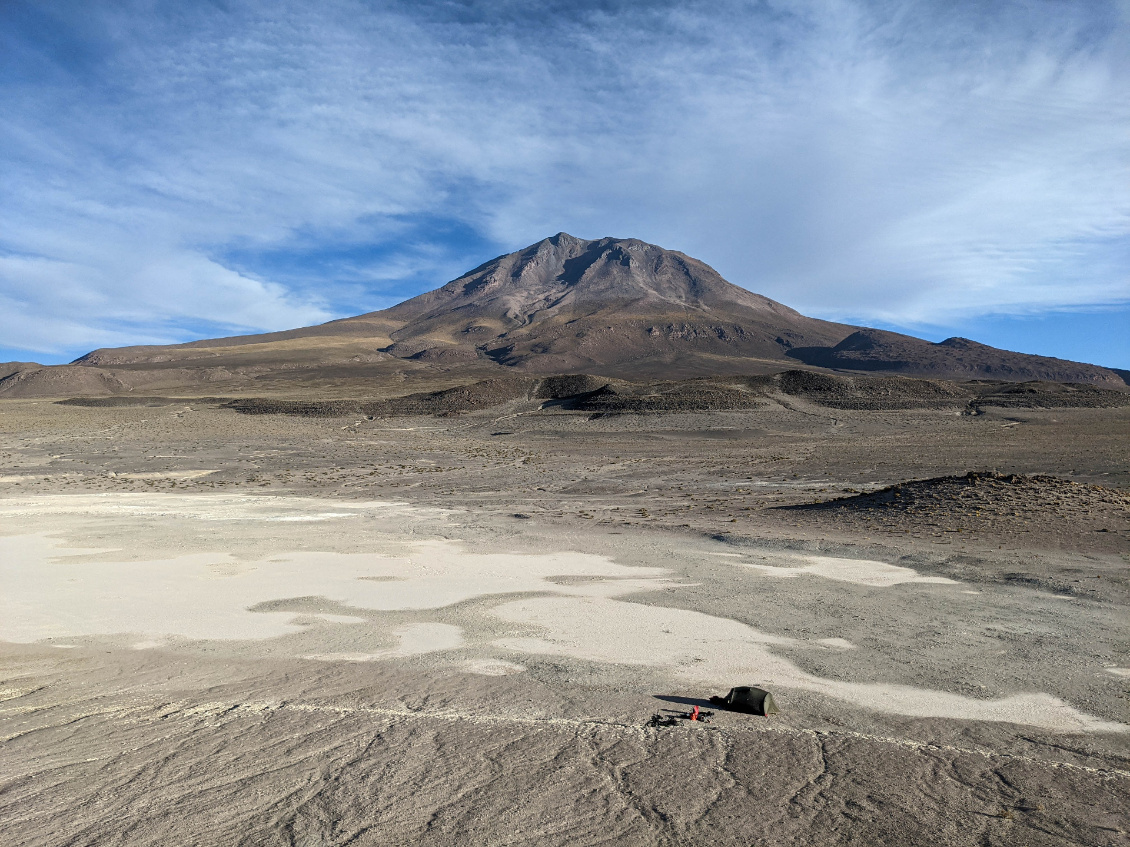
172,169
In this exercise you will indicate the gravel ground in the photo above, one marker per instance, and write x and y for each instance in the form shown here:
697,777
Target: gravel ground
362,725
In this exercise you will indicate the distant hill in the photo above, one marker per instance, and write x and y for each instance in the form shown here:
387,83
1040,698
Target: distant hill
954,358
9,368
618,307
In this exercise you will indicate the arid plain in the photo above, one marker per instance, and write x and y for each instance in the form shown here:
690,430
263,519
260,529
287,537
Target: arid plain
223,628
427,575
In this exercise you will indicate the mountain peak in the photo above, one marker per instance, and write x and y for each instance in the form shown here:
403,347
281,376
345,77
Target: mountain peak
564,303
565,274
563,237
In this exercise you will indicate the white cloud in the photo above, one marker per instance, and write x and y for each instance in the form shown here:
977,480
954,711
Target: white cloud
140,298
898,161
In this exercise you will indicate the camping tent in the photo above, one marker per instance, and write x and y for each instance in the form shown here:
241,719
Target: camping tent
747,698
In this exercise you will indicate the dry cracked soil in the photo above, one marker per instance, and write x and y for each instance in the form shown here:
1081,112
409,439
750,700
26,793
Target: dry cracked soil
228,629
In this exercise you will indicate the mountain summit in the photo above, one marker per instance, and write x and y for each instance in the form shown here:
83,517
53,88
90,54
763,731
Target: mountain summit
563,273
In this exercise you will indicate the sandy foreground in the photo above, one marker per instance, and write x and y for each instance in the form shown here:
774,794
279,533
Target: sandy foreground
249,665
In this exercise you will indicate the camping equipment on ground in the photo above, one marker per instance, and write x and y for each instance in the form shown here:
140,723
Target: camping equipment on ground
696,714
748,698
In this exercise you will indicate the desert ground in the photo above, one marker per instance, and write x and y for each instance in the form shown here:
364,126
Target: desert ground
221,628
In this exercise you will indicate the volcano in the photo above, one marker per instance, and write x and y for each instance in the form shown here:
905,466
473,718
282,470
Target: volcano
618,307
614,305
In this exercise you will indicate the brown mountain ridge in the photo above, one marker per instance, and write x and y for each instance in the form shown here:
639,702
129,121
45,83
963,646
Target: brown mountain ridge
618,307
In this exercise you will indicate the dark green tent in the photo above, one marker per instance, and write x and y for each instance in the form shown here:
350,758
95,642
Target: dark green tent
747,698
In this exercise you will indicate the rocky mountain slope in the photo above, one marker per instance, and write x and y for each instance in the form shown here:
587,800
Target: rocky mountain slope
617,307
614,305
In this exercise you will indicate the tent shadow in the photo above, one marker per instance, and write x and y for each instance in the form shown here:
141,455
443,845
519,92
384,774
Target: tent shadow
685,701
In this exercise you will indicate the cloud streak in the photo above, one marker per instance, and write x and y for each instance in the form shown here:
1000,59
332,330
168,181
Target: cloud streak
178,169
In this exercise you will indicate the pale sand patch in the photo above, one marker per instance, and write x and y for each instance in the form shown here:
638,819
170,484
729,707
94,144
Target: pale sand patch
320,516
1123,672
492,667
164,474
54,592
151,644
213,507
300,622
836,643
51,591
858,571
414,640
719,653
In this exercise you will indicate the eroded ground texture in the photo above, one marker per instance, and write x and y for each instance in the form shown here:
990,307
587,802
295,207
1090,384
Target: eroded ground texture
223,629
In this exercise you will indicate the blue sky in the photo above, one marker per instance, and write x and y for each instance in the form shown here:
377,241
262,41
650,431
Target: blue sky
177,170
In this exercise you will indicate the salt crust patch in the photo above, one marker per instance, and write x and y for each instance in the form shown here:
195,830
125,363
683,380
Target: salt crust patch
53,592
164,475
414,640
151,644
858,571
492,667
836,643
714,652
212,507
322,516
